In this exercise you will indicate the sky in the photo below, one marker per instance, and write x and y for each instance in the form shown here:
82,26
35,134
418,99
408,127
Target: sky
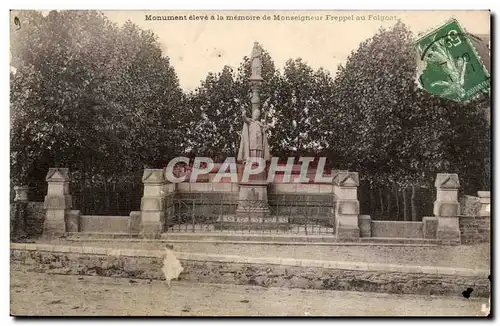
197,47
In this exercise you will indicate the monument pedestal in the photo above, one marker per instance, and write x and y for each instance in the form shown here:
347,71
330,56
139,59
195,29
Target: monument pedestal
253,211
252,199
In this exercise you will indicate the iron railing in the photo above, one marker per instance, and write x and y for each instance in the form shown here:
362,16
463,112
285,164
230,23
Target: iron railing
247,216
109,199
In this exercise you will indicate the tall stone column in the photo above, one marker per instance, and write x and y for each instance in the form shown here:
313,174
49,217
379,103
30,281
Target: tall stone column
345,189
58,201
447,208
485,201
153,203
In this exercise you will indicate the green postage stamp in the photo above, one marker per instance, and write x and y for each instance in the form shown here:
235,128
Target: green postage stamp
449,65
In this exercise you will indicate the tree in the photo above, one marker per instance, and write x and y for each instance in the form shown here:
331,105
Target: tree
391,131
92,96
215,110
301,99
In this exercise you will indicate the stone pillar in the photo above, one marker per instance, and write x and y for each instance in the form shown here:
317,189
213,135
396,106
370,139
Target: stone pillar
347,205
447,208
58,201
365,226
18,222
153,203
485,201
429,227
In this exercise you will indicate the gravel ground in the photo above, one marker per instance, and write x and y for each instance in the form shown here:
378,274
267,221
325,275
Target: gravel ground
473,256
37,294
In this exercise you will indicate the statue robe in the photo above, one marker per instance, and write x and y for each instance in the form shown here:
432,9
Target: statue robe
244,151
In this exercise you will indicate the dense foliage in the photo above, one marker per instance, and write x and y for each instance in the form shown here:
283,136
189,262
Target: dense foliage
91,96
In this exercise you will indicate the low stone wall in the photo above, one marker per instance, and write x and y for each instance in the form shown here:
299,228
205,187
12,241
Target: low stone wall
99,223
397,229
474,229
35,216
301,188
206,187
315,208
262,271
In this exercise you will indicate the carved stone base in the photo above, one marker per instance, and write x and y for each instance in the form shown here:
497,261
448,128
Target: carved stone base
347,233
448,236
55,222
430,224
151,230
252,200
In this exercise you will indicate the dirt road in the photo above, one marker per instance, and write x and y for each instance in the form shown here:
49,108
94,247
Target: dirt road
70,295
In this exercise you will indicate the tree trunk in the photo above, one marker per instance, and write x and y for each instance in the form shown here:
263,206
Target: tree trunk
405,210
381,202
106,200
389,202
396,193
413,204
372,202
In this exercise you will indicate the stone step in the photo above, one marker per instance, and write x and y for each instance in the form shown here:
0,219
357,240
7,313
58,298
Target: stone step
236,236
253,226
271,236
283,238
99,235
399,240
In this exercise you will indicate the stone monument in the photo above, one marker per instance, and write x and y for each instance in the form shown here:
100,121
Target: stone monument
252,199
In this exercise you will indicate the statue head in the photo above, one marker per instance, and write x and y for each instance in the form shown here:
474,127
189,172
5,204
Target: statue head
255,114
256,51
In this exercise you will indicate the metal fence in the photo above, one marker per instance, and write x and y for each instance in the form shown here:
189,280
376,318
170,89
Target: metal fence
394,204
249,216
108,198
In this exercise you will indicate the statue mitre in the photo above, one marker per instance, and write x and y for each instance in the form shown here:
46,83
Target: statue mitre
256,51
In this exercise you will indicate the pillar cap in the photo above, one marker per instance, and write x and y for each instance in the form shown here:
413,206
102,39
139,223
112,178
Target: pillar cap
345,178
484,194
447,181
153,176
57,175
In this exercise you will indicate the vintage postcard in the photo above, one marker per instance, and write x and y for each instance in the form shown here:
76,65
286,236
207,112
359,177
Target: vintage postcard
250,163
